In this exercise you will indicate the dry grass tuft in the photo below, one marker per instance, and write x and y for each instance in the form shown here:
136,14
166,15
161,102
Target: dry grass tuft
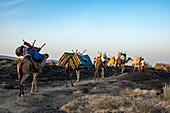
166,92
162,67
4,62
143,103
111,102
139,92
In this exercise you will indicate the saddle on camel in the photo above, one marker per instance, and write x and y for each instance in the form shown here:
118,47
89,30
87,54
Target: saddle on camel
32,53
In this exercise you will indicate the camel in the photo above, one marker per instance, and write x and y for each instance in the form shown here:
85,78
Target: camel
136,64
26,68
119,62
69,66
69,71
143,64
139,63
100,62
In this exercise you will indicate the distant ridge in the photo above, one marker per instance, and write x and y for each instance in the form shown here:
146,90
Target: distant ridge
5,57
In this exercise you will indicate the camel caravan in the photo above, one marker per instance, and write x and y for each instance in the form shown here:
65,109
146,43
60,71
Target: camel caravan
33,62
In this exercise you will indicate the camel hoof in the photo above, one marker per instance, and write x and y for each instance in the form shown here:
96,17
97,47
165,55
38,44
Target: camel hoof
31,93
76,83
102,79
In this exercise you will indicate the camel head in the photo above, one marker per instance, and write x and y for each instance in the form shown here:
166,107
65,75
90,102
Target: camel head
123,57
46,55
130,59
45,58
104,57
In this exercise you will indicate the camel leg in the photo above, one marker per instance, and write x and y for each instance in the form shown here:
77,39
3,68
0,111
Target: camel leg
66,82
96,74
21,84
21,93
134,68
115,71
32,87
78,76
122,68
34,84
19,78
102,74
139,68
71,74
66,74
117,68
36,87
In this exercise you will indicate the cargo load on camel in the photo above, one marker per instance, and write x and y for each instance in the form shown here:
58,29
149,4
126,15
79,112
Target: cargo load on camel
32,53
76,60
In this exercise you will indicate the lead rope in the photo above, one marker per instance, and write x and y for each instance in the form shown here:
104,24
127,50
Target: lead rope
55,70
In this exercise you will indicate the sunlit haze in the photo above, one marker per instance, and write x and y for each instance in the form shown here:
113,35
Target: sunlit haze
138,27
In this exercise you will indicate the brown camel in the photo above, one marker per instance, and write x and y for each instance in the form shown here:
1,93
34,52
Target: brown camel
69,71
119,62
139,63
72,63
100,62
26,68
136,64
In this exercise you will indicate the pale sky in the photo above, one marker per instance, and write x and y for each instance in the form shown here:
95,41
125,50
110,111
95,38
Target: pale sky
139,27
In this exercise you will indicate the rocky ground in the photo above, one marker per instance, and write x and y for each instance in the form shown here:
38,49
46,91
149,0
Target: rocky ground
130,92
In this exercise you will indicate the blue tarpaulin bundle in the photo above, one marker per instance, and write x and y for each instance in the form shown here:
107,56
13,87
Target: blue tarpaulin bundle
37,56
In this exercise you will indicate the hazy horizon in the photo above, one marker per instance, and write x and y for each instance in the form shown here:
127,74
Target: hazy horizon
139,27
